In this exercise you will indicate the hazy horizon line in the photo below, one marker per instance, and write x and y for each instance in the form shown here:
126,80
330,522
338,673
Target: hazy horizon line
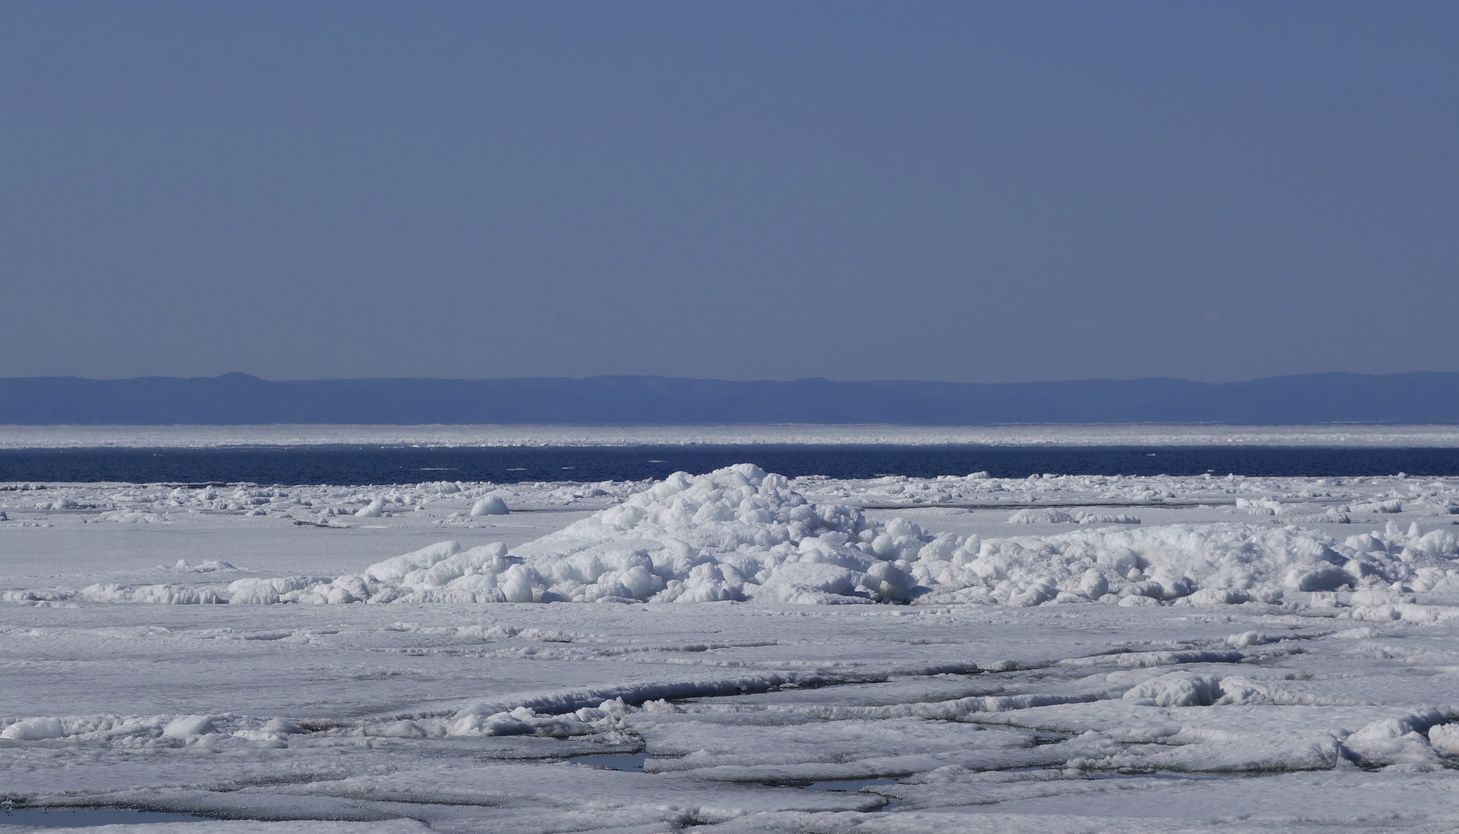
744,380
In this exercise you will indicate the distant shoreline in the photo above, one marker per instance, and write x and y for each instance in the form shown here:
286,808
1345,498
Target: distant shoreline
629,401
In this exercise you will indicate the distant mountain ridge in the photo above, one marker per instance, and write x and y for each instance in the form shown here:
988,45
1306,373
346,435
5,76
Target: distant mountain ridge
240,399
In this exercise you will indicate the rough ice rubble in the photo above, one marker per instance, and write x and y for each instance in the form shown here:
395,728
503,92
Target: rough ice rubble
164,729
733,534
740,533
375,509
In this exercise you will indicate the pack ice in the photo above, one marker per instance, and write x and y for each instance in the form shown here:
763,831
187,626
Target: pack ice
740,533
1103,677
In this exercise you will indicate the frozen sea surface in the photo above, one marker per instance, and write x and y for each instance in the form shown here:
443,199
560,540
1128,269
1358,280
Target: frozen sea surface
1049,654
152,437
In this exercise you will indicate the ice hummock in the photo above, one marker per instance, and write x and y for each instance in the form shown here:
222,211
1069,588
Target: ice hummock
740,533
490,505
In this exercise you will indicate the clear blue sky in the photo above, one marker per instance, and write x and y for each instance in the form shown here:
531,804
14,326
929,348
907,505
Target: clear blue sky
960,191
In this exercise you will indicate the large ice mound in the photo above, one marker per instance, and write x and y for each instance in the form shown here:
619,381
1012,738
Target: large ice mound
739,533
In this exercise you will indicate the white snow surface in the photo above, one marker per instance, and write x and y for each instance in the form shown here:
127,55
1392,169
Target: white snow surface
1154,434
887,654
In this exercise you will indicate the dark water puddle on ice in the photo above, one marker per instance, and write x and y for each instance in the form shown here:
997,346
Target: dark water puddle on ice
626,762
847,785
634,763
76,817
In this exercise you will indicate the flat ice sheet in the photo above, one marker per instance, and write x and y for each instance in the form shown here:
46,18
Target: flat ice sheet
33,437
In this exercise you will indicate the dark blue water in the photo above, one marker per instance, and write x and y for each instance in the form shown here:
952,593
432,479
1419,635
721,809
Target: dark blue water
382,465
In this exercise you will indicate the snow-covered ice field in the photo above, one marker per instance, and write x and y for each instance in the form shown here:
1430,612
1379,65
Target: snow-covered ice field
1153,434
738,651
